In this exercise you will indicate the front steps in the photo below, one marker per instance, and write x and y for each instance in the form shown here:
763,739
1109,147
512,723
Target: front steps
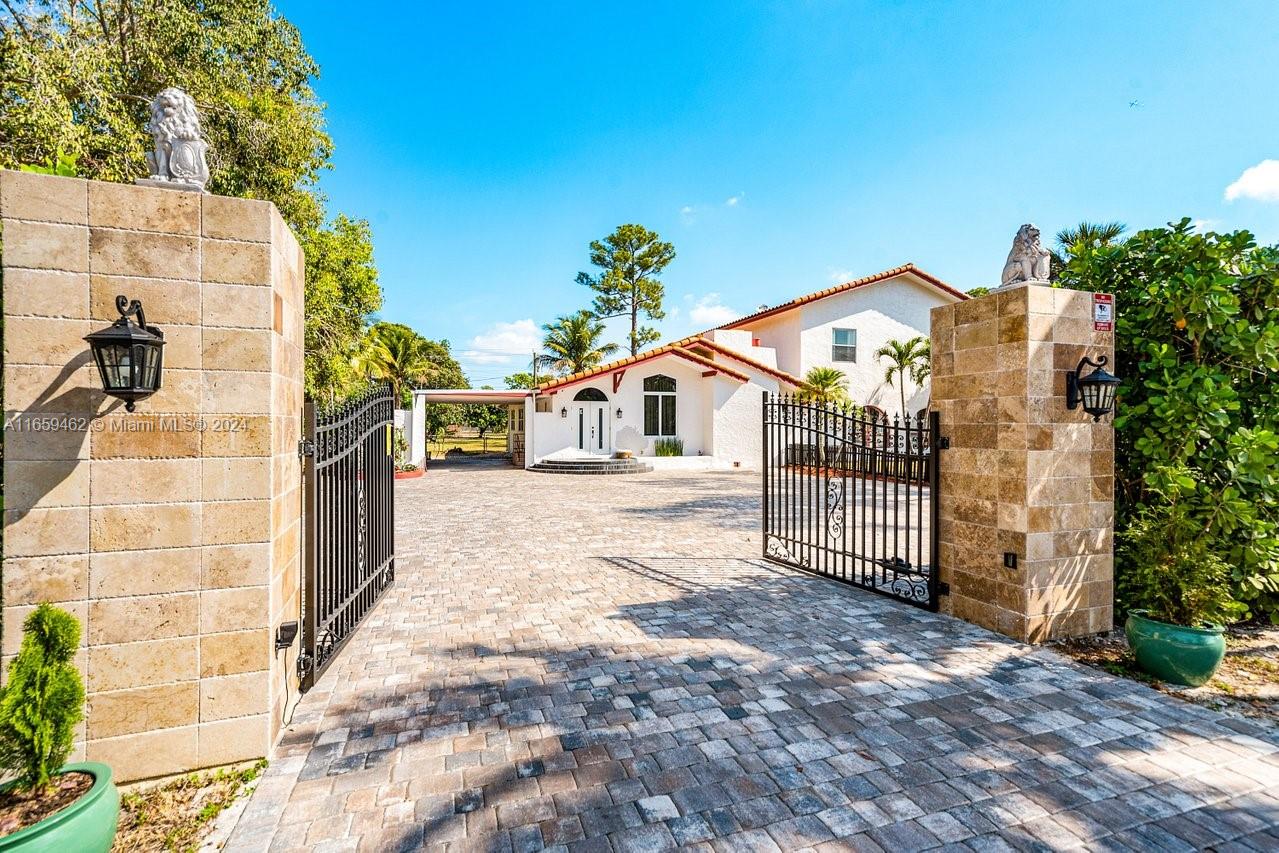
592,466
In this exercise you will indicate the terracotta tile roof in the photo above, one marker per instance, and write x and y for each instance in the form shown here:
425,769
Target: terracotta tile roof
675,349
849,285
702,341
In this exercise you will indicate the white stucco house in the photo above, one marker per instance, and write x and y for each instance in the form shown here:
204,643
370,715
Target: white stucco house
707,389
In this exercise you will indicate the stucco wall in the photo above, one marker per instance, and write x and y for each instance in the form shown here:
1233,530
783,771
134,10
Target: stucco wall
897,308
171,533
553,434
738,418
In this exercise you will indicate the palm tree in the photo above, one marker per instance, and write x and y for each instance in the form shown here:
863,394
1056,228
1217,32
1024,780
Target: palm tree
396,354
572,344
910,358
825,385
1089,234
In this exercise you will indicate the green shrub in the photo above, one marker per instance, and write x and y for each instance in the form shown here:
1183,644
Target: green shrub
1172,569
44,699
1197,420
668,447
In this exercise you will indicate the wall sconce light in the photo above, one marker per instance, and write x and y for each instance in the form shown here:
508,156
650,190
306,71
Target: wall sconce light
564,411
129,355
619,414
1094,392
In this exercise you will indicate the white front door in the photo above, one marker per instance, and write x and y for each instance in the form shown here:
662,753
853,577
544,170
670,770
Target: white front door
593,428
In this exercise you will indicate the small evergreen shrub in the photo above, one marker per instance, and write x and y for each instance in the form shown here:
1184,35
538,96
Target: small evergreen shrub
668,447
43,700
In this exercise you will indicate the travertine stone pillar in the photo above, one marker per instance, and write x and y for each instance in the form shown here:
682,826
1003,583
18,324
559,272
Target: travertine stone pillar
1023,476
172,533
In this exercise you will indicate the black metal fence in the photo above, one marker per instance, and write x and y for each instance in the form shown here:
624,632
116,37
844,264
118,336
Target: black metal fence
349,517
852,497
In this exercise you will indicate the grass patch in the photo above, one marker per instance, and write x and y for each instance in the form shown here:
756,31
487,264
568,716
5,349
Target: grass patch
175,816
467,444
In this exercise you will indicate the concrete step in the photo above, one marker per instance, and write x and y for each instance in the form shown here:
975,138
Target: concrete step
592,466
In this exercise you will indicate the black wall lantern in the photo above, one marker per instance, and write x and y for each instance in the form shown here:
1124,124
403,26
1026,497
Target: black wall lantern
619,414
129,355
1094,392
564,411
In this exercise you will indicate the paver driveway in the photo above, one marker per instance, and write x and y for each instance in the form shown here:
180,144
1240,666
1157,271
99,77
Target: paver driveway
601,663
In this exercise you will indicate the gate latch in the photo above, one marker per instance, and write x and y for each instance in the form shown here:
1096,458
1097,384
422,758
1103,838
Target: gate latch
944,442
306,447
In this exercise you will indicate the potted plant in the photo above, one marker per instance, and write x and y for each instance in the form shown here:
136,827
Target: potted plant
50,805
1175,587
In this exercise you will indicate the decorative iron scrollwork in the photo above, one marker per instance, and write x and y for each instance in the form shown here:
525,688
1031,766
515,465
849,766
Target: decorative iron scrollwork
834,507
779,551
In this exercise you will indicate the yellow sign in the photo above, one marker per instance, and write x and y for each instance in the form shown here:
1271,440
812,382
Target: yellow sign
388,439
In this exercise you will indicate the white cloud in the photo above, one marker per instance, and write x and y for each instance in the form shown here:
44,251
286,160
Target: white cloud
503,342
709,311
734,200
839,276
1205,225
688,214
1259,182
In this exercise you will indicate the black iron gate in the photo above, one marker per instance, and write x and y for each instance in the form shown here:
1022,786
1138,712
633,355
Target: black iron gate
852,497
349,518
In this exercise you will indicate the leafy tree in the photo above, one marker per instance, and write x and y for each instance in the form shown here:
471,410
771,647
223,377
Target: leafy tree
978,291
484,418
825,385
75,95
43,699
631,259
396,354
572,344
906,359
341,291
1197,422
521,380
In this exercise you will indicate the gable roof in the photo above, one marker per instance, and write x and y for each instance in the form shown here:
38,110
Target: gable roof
702,341
925,277
675,349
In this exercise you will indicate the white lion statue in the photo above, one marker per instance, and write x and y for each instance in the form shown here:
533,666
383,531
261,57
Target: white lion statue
1027,260
179,150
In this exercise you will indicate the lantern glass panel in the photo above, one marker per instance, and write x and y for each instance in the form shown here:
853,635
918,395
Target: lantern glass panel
115,366
1092,393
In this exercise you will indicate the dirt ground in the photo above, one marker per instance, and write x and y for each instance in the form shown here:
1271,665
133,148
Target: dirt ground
1246,684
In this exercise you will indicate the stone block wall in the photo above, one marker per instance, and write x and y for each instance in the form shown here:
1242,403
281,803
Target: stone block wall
172,533
1023,475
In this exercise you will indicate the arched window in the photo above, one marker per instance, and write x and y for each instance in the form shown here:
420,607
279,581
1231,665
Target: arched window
590,395
659,405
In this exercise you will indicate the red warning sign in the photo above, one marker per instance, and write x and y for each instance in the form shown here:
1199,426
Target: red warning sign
1103,312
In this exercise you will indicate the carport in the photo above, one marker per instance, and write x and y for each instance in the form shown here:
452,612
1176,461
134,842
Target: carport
513,399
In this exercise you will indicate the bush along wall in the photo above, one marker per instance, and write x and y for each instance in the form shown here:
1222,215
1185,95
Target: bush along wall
1197,487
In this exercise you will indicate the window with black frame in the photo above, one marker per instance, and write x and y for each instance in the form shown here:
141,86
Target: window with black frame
659,405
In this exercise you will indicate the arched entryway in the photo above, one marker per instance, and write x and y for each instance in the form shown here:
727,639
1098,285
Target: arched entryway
592,423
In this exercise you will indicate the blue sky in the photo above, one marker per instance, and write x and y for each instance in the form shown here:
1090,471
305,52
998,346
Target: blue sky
781,147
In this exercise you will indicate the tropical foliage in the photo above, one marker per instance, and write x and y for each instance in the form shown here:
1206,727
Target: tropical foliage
74,98
906,360
1084,235
668,447
396,354
825,385
43,699
1197,422
484,419
573,344
630,260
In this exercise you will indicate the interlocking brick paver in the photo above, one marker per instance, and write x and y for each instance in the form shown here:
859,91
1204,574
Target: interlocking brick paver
601,664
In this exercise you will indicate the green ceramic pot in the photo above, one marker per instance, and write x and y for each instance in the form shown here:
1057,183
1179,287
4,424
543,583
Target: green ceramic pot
86,826
1175,653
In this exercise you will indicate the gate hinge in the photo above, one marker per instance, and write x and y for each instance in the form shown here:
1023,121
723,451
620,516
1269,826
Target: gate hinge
943,588
944,442
304,666
306,447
